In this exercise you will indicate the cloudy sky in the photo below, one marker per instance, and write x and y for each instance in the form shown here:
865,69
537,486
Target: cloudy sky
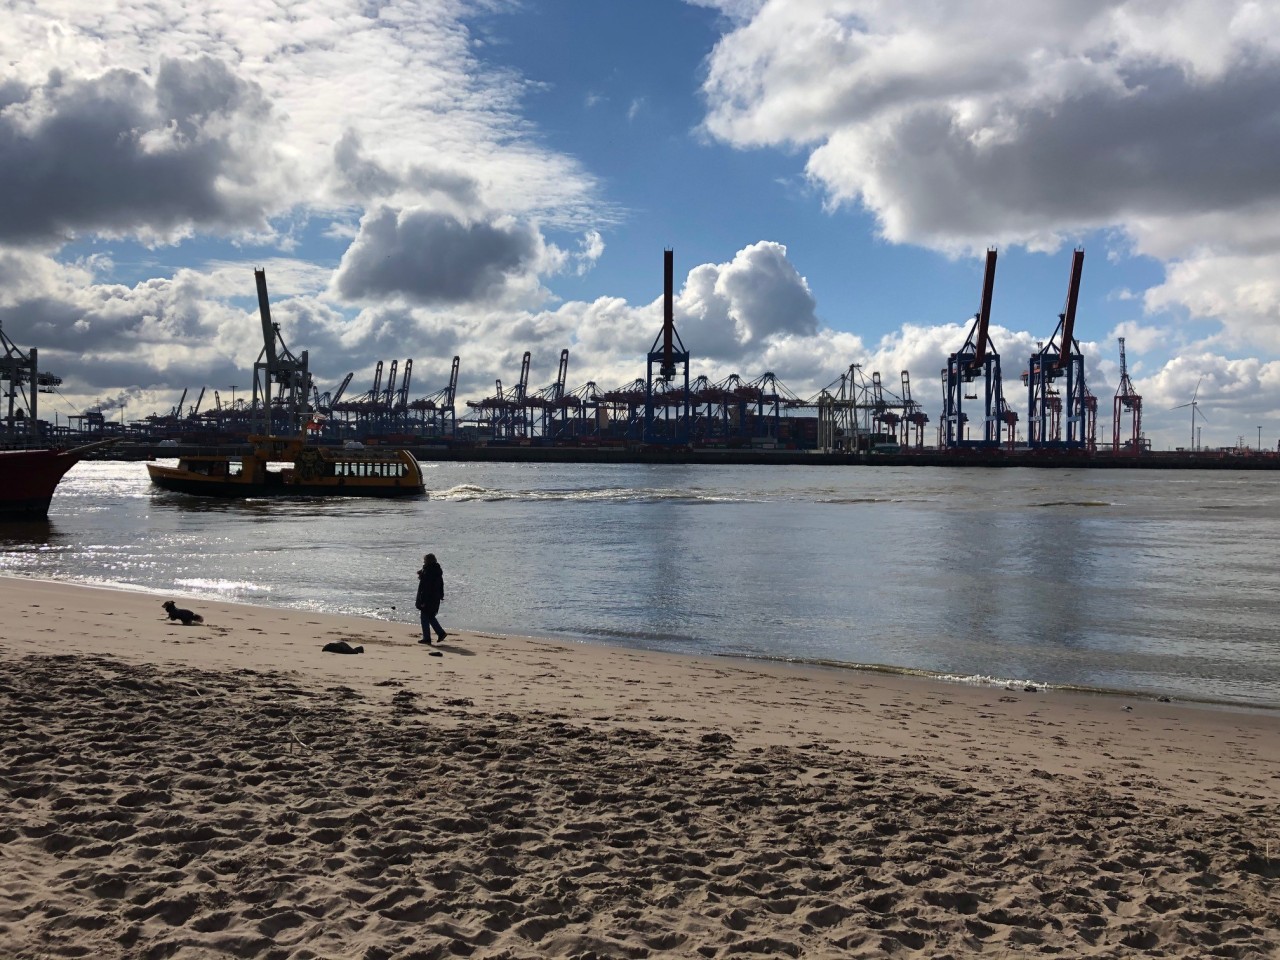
424,178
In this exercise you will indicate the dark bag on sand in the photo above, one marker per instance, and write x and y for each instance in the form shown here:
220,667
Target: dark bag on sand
341,646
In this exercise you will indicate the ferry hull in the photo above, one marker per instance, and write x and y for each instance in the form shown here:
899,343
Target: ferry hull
239,491
28,479
303,471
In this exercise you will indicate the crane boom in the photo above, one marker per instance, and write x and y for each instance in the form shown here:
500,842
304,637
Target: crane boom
1069,314
402,398
524,377
385,397
264,312
984,310
337,394
563,374
276,365
668,369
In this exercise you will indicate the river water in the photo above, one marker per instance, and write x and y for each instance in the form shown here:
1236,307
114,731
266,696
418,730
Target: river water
1151,582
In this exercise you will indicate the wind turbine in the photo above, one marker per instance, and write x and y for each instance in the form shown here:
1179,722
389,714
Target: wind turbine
1195,409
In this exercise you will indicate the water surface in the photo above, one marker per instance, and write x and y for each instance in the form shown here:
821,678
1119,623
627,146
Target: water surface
1158,582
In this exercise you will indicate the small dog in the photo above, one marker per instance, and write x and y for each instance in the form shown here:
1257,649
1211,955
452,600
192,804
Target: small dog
177,613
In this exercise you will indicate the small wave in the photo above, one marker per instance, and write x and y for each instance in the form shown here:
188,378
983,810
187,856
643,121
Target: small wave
221,586
466,493
844,501
1074,503
984,680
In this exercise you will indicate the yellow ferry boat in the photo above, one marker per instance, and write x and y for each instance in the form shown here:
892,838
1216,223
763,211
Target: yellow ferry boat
291,467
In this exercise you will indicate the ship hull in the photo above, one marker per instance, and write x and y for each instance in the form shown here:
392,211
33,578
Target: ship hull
234,490
28,479
305,471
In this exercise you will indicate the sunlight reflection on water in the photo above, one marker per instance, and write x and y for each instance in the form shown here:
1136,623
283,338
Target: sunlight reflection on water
1141,580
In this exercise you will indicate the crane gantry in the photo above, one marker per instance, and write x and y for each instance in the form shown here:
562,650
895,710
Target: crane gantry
1127,401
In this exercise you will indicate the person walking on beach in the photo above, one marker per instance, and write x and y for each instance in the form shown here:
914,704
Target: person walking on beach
430,593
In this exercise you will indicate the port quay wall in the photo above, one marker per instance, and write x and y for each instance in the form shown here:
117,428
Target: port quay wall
1026,458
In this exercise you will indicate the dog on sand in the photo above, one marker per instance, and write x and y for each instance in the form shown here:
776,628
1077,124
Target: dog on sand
177,613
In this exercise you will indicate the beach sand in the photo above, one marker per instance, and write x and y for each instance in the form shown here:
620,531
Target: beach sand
228,789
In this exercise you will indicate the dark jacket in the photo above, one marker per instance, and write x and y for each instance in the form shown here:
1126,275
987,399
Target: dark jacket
430,586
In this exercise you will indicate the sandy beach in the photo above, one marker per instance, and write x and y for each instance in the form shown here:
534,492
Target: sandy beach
228,789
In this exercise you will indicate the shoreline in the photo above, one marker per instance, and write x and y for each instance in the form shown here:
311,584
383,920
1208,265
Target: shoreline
782,662
228,788
634,452
995,683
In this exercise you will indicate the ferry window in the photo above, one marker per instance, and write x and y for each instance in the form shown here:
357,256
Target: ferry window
235,468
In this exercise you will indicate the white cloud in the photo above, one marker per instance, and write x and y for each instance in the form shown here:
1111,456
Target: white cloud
1243,292
732,308
351,102
590,249
965,124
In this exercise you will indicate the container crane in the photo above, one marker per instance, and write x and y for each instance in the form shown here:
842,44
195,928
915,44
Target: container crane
377,384
846,411
516,412
522,385
977,358
505,410
445,400
914,415
1053,410
1127,400
401,403
276,365
667,429
22,383
551,399
383,400
627,405
437,411
561,376
885,418
324,401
